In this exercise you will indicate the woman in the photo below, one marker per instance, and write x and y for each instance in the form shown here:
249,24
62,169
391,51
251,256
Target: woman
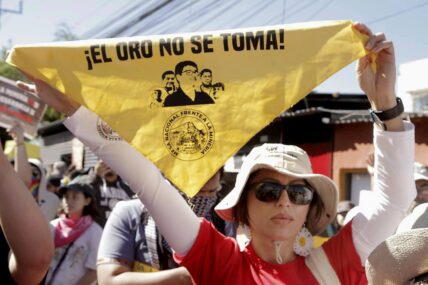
276,196
76,237
32,173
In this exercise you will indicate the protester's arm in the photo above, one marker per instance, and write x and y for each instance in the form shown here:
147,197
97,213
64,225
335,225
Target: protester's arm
164,203
22,166
116,274
117,251
24,227
394,188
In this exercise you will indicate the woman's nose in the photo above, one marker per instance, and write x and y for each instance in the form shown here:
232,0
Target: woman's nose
284,200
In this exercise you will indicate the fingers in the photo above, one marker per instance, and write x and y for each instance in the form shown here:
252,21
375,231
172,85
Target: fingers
374,40
378,43
363,63
386,45
362,29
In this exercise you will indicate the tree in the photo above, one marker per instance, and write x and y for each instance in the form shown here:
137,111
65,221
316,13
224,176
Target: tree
7,70
64,33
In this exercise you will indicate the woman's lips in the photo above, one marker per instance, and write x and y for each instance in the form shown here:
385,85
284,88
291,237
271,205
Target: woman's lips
282,218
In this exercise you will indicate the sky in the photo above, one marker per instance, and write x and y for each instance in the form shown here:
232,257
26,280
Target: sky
404,22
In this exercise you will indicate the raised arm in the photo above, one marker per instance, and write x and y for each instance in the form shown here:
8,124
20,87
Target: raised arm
22,166
176,221
21,218
394,188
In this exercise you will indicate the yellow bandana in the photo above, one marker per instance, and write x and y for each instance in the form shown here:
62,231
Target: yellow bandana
188,102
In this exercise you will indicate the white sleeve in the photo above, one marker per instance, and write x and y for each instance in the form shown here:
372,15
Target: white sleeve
176,221
394,190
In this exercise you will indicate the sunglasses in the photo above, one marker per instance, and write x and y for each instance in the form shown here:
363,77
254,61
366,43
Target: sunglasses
299,194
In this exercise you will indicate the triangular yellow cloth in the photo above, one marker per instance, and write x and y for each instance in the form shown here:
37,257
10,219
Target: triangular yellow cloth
188,102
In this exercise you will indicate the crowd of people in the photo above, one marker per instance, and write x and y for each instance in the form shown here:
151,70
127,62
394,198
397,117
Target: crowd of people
123,222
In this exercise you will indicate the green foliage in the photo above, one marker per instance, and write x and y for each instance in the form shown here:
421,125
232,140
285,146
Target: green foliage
7,70
62,33
51,115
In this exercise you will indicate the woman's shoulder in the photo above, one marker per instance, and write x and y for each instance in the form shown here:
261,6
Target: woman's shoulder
132,207
95,227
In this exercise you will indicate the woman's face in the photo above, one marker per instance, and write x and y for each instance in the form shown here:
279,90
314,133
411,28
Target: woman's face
277,220
73,203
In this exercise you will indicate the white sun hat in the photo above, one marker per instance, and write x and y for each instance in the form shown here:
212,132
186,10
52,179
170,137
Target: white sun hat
290,160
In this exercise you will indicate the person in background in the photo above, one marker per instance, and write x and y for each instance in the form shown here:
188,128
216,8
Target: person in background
47,201
342,210
33,174
76,237
22,167
108,189
59,168
416,220
26,246
53,183
421,181
131,242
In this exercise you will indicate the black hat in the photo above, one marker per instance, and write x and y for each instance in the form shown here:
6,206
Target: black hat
55,180
78,184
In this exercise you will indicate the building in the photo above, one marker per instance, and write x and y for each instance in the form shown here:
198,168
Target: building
413,85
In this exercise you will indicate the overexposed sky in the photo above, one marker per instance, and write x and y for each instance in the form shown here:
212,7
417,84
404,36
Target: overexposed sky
405,22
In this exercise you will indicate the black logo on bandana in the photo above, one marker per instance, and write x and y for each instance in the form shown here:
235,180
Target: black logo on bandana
106,132
188,134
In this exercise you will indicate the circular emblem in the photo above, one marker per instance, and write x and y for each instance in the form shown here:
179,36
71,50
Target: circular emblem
188,134
106,132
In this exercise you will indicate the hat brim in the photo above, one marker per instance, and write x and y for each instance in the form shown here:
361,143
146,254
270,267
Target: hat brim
73,187
323,185
399,258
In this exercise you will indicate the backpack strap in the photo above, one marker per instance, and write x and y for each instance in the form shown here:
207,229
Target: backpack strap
55,271
320,266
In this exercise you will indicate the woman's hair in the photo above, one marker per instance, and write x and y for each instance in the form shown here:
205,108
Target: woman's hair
316,208
89,210
240,211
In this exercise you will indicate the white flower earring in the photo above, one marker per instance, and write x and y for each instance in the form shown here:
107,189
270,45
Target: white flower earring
303,242
243,236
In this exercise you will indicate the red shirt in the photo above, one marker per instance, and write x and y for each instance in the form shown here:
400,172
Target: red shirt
216,259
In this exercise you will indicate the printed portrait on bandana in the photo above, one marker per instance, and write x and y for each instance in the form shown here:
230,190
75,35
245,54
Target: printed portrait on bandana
186,86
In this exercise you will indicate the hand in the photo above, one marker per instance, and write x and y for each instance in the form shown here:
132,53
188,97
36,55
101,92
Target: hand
378,84
16,131
49,95
101,169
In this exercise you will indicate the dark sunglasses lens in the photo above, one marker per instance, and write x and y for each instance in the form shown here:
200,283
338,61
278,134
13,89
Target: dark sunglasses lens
300,194
268,192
